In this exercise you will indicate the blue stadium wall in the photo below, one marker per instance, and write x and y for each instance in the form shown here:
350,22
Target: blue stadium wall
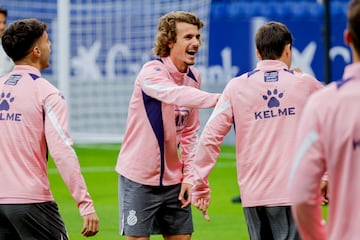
233,25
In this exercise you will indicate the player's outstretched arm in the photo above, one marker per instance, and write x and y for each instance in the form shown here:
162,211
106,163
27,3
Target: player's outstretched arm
91,225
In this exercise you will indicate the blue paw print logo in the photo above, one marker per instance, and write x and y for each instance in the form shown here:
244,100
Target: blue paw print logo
5,100
272,98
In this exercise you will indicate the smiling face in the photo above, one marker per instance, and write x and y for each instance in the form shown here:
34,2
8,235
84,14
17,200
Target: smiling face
183,51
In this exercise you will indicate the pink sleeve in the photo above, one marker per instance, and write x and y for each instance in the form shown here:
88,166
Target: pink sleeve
154,80
307,172
208,148
60,145
316,84
188,142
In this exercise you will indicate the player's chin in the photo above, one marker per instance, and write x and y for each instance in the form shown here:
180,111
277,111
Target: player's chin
190,62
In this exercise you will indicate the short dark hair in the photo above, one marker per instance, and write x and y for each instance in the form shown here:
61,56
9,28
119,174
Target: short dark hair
20,36
271,40
353,23
3,11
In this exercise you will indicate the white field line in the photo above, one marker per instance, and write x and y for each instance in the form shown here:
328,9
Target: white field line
112,168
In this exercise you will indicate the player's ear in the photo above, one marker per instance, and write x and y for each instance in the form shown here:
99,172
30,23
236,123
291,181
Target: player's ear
288,50
347,37
36,51
258,55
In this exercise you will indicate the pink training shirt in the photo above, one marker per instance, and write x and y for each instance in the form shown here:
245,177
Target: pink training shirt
163,114
33,120
264,106
329,140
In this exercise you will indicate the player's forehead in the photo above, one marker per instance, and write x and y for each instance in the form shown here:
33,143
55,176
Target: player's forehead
184,28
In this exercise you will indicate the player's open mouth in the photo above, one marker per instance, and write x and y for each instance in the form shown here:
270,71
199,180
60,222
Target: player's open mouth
191,52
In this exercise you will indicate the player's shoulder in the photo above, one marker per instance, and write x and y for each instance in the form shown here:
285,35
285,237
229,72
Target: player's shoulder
243,78
333,89
324,95
236,84
155,66
303,76
157,62
43,82
308,80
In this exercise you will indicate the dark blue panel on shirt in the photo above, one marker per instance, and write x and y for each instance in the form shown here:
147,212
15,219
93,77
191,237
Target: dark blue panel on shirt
342,82
154,114
34,76
191,75
252,72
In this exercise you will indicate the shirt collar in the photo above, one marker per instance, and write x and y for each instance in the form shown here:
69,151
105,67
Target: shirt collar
28,69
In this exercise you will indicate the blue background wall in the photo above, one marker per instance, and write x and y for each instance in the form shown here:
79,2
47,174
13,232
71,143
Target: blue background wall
233,25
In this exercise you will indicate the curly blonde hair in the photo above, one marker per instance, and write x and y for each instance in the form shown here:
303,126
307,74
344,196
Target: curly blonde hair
167,30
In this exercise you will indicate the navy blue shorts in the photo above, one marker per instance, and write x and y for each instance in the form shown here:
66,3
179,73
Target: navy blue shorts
147,210
40,221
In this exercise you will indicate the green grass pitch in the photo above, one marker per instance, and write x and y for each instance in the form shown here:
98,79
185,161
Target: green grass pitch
98,163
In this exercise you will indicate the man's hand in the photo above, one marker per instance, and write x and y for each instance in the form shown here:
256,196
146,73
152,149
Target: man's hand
324,192
185,194
202,205
91,225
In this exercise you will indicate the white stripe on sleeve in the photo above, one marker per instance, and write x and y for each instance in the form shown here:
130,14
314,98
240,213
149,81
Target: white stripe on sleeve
57,126
305,146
